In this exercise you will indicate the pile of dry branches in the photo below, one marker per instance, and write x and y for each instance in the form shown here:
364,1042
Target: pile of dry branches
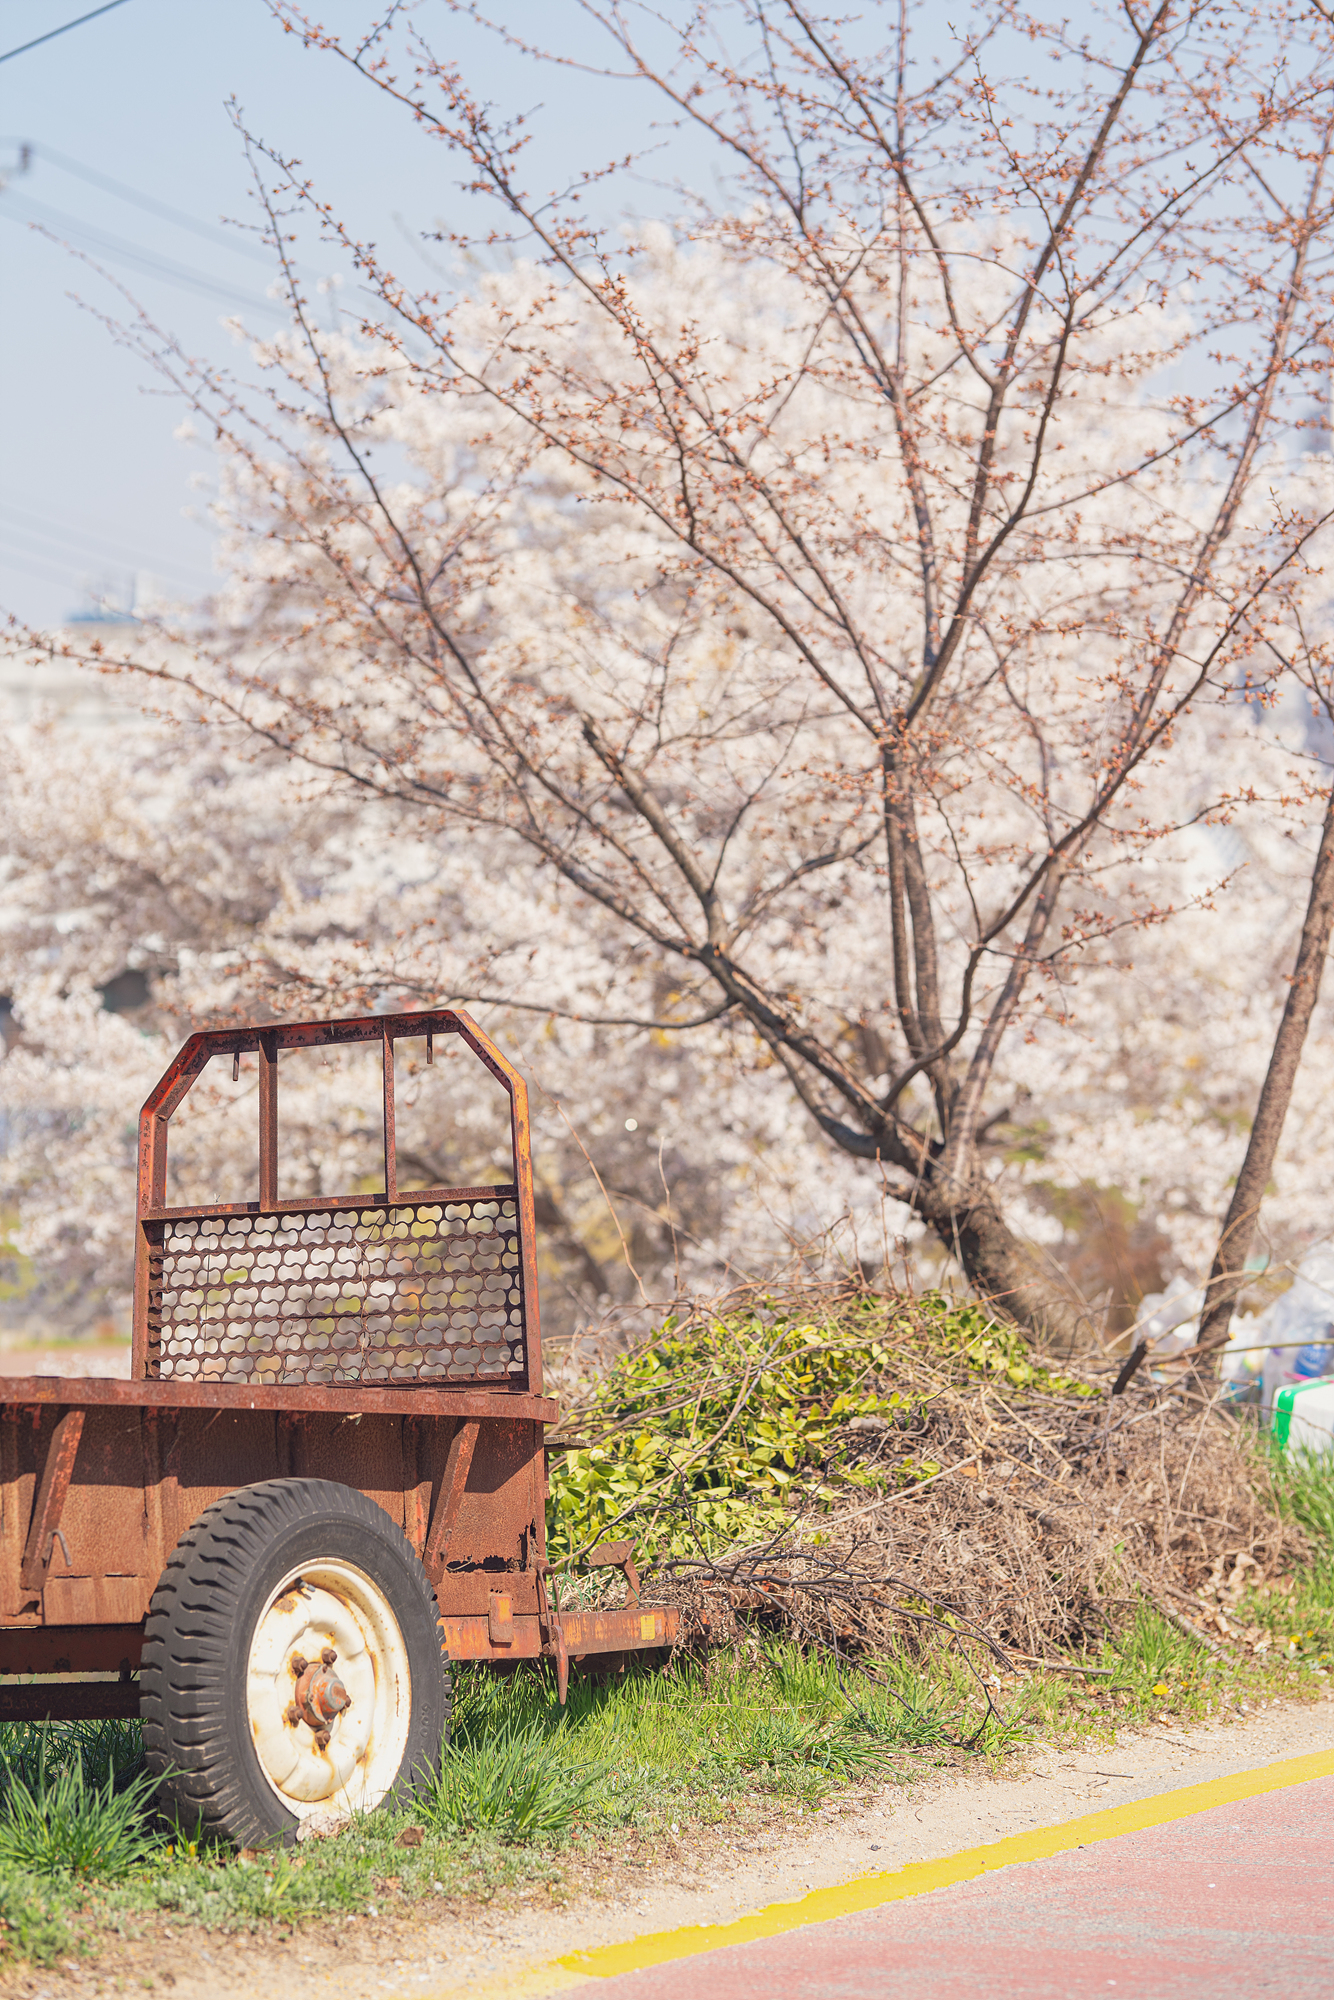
1057,1507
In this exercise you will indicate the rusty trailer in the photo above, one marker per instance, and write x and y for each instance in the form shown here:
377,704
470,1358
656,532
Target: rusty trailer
324,1481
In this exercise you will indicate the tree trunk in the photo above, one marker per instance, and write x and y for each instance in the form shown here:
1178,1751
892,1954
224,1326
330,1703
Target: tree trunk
1228,1273
1011,1276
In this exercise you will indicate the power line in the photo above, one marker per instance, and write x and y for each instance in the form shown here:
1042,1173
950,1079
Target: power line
119,250
104,546
211,232
90,547
23,47
68,576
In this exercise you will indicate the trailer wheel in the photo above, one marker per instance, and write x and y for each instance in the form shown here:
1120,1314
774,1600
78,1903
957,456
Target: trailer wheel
292,1663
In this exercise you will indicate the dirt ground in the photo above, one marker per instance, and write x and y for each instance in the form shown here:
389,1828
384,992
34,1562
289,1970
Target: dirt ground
713,1875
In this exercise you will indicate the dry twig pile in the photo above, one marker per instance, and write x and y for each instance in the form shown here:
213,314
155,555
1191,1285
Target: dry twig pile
878,1471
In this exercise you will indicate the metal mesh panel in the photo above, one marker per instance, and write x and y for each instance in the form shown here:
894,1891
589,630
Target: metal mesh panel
420,1291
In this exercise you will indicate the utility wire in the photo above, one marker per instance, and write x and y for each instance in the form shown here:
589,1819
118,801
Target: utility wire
110,546
117,248
211,232
69,576
23,47
92,550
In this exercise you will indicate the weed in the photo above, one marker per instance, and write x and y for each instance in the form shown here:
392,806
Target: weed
32,1923
35,1752
1304,1484
729,1417
510,1780
58,1821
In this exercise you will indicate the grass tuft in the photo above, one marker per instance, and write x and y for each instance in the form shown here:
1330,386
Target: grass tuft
58,1818
510,1780
1305,1487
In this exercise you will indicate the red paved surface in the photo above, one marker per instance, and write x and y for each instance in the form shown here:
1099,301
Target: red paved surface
1230,1902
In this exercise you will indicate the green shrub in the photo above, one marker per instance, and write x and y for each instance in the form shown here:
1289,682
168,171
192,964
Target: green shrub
704,1437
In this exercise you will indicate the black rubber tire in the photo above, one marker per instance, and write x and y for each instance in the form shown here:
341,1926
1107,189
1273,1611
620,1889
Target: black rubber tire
211,1596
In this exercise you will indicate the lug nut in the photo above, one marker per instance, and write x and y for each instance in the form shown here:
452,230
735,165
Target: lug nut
293,1714
299,1664
321,1739
328,1656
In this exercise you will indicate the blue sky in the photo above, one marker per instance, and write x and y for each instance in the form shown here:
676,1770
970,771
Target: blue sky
93,485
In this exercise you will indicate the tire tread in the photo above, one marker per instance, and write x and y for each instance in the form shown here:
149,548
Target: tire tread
191,1623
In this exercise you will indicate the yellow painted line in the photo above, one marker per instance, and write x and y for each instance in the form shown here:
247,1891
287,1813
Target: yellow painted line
869,1892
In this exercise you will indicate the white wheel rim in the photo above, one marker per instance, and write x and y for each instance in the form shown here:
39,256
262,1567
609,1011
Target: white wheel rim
330,1604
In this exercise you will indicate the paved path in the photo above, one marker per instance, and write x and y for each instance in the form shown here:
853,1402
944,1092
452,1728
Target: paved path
1228,1901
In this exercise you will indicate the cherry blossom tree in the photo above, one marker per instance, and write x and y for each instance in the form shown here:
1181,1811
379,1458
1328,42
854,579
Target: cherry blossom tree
235,891
814,627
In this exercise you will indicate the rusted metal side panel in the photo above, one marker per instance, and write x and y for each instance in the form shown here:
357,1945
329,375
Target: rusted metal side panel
141,1477
493,1530
18,1483
66,1649
365,1452
453,1485
104,1568
211,1454
69,1701
157,1433
611,1631
470,1638
97,1600
416,1481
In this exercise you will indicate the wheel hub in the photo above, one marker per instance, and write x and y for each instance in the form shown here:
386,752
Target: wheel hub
328,1691
320,1695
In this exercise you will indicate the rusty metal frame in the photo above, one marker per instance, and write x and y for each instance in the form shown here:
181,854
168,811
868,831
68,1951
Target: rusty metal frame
621,1556
49,1499
71,1649
582,1634
267,1041
70,1701
458,1464
88,1392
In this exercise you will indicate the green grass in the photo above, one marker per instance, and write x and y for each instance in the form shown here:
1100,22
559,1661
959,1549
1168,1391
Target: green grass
66,1825
1303,1622
525,1787
529,1789
698,1737
509,1779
